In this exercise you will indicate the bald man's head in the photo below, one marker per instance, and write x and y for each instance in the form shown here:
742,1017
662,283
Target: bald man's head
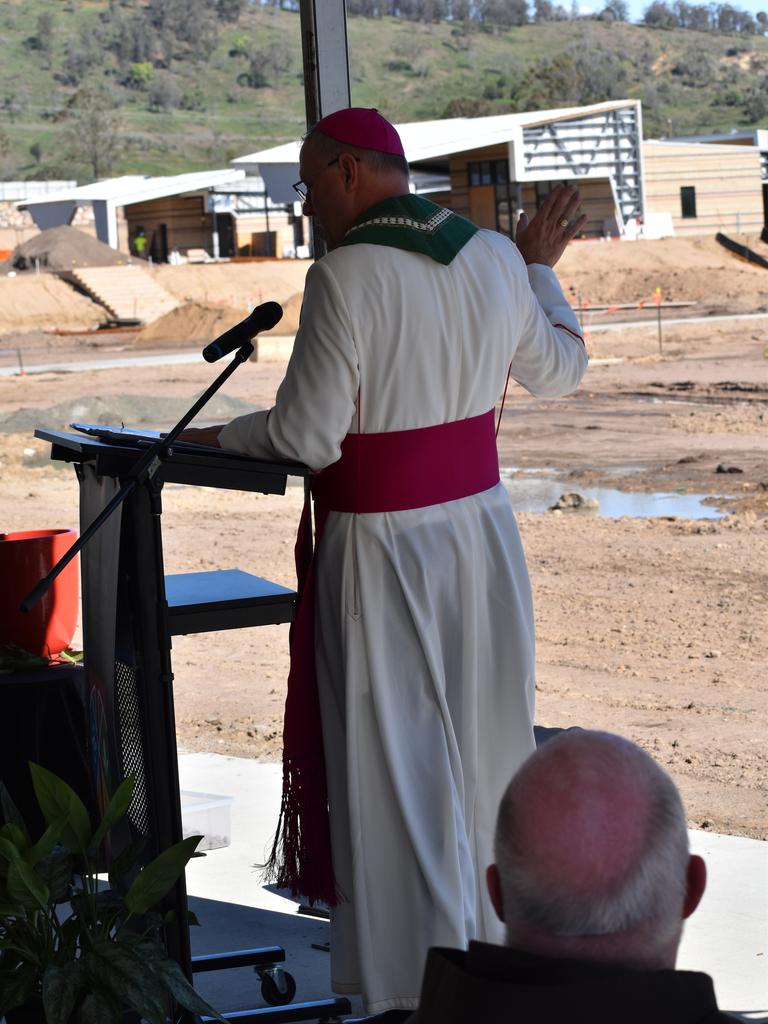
592,853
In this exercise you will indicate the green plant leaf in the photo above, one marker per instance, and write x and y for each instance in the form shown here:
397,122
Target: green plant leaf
17,986
126,861
27,937
148,950
56,871
129,980
63,808
11,812
62,985
99,1008
46,843
116,809
58,801
69,934
9,852
190,916
25,886
157,878
17,835
181,990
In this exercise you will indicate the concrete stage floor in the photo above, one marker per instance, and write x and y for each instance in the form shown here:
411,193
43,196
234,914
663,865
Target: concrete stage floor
727,937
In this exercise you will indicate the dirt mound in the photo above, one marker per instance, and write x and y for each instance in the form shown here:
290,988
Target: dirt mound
191,323
155,411
291,311
234,284
61,249
35,301
685,269
196,322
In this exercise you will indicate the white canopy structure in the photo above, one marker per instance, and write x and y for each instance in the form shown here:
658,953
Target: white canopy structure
602,140
58,208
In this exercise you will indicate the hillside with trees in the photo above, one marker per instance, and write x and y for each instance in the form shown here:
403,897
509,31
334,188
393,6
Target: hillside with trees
90,89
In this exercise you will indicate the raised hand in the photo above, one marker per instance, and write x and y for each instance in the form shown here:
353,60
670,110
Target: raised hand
543,238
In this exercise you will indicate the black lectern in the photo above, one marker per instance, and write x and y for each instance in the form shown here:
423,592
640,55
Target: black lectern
130,612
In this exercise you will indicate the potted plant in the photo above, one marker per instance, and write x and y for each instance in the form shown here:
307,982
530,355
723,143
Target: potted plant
73,951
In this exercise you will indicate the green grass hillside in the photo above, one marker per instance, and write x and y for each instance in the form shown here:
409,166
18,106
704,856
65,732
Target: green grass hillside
92,88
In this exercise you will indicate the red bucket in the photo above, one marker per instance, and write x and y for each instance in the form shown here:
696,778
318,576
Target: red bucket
25,557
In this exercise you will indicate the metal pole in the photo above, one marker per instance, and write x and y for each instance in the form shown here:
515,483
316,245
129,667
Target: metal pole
325,55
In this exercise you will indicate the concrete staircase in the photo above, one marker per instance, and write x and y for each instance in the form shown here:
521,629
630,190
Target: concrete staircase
126,292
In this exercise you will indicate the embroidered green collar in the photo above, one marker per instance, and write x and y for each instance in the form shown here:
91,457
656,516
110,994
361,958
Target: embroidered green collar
413,223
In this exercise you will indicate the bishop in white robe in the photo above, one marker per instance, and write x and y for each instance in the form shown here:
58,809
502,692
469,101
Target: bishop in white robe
424,629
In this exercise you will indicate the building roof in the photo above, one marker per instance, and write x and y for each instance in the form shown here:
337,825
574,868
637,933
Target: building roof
751,136
137,188
696,145
428,140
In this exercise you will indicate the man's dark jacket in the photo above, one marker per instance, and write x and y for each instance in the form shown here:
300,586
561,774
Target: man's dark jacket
497,985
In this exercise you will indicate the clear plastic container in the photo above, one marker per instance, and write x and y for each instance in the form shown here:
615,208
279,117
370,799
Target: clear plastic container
206,814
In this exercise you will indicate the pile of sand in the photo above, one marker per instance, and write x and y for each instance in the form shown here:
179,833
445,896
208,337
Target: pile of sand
198,323
234,284
42,301
190,324
685,269
151,411
291,312
62,248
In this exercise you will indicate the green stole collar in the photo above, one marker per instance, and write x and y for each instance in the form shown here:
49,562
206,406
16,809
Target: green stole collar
413,223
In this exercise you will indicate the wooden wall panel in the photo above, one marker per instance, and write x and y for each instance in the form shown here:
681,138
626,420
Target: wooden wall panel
248,225
190,227
187,224
726,179
597,196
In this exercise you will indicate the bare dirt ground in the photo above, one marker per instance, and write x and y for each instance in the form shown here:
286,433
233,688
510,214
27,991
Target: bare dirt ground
656,628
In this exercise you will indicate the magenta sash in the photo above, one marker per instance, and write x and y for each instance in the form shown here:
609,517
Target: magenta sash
387,472
404,469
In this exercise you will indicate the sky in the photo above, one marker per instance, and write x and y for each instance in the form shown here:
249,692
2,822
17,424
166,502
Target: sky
637,7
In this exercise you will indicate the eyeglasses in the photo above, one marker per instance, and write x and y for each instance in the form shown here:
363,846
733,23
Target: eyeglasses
302,189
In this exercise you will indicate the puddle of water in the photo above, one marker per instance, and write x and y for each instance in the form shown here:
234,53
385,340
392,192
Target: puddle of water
537,493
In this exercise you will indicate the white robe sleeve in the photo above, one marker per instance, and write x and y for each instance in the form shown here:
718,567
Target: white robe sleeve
551,357
315,403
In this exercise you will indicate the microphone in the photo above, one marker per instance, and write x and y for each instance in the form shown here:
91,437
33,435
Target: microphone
261,319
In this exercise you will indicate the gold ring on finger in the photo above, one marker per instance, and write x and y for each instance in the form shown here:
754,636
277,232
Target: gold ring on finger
563,222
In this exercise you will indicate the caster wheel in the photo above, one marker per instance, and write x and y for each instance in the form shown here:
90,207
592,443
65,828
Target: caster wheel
278,987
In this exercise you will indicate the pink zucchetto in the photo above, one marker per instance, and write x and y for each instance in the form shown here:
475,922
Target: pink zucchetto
363,127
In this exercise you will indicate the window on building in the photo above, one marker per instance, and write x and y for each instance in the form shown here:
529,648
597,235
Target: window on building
688,200
488,172
496,173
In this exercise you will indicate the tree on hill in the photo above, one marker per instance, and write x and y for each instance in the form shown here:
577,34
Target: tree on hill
580,75
713,17
545,10
43,39
93,129
615,10
191,22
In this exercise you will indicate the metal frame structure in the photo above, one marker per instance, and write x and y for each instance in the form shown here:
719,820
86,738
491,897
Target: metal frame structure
607,144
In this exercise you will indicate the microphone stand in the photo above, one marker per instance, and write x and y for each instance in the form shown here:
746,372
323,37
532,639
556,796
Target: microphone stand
143,469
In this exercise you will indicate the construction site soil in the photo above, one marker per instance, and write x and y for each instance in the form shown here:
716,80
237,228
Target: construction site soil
654,627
